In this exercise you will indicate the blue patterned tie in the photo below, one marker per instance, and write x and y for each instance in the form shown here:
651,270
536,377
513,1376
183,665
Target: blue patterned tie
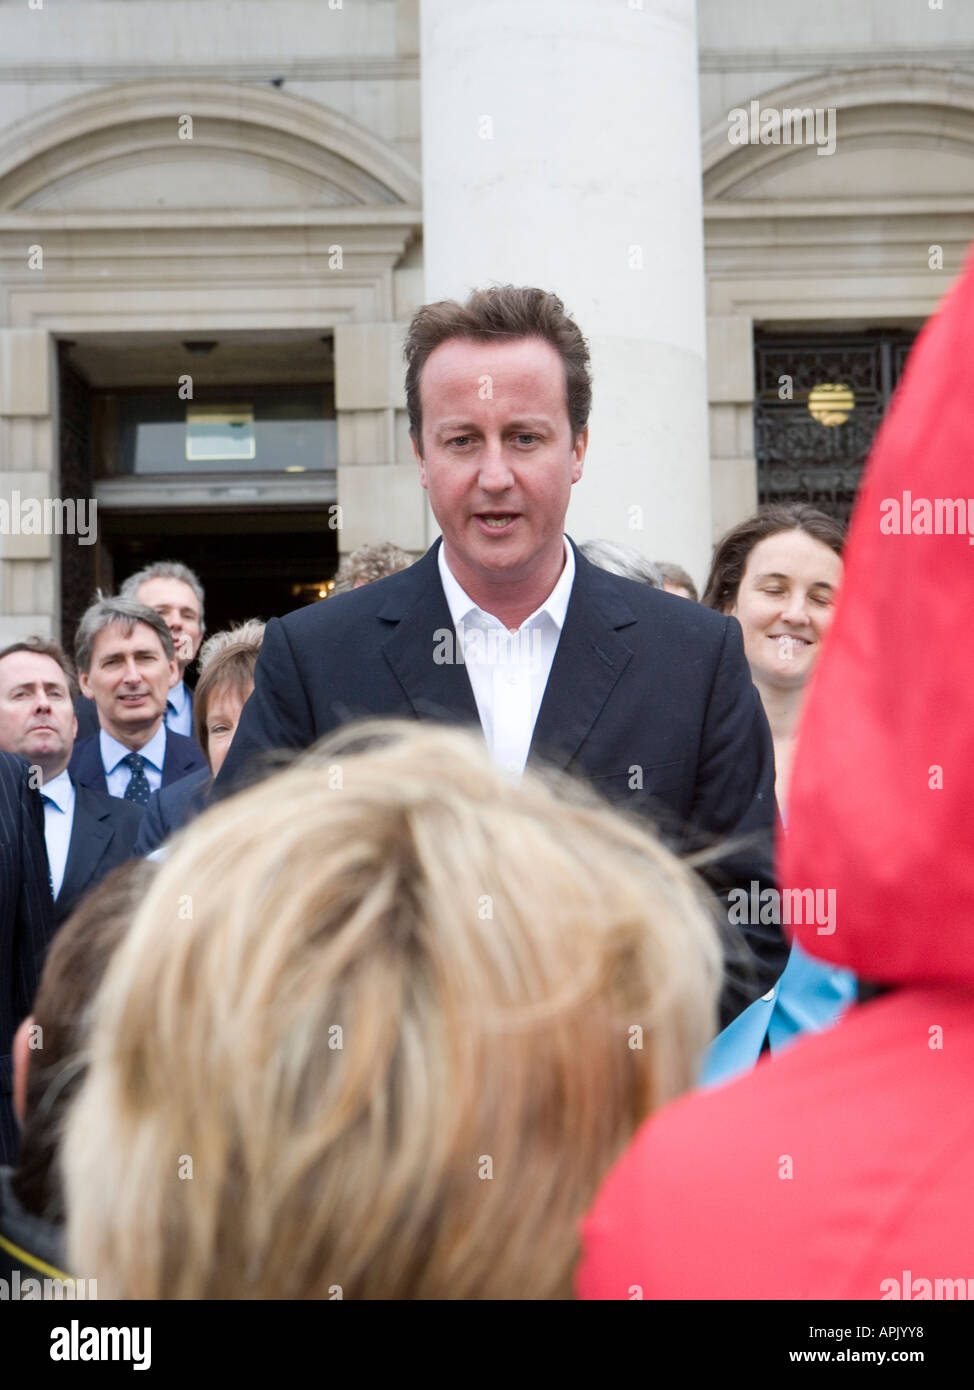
138,787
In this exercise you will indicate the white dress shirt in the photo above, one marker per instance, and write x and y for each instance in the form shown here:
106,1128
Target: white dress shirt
117,775
179,710
59,797
508,669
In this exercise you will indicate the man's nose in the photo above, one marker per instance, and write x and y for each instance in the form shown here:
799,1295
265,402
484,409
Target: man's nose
495,473
132,670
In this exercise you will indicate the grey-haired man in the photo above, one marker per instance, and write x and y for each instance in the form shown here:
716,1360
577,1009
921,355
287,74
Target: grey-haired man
127,664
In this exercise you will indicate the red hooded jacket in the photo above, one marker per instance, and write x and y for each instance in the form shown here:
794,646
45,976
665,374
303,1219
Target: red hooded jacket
844,1168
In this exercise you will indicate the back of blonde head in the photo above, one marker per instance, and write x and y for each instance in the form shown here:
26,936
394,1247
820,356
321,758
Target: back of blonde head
396,1017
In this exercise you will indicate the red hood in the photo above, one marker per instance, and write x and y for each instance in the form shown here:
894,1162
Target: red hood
881,807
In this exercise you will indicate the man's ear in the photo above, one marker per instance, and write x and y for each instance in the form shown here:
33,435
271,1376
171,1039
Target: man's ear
173,673
84,685
580,448
21,1056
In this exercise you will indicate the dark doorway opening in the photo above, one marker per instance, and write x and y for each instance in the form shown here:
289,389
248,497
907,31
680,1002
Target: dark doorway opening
252,564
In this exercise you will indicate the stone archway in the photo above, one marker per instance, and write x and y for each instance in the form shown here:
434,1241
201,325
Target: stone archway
871,235
262,212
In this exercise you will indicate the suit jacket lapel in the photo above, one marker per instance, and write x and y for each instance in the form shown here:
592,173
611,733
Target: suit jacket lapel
179,759
91,768
172,762
90,839
437,689
590,658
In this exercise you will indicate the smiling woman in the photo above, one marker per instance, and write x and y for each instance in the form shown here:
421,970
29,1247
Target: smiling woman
779,573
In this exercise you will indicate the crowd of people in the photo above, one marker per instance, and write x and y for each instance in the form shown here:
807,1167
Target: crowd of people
361,968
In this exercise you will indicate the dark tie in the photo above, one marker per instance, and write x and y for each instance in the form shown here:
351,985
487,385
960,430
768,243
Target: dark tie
48,801
138,787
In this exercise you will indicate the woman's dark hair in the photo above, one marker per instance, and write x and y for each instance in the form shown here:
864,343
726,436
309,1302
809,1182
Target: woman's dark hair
73,971
731,551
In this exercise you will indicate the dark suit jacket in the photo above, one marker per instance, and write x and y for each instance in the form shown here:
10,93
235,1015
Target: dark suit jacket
102,837
170,808
86,712
26,920
641,680
87,769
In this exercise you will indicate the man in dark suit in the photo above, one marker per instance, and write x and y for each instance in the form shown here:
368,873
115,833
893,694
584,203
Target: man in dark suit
26,920
647,697
126,663
87,832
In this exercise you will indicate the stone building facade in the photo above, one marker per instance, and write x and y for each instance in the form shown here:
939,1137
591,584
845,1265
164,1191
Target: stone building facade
216,219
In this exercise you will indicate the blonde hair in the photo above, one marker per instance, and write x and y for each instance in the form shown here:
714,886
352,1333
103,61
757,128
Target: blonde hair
249,633
397,1017
369,563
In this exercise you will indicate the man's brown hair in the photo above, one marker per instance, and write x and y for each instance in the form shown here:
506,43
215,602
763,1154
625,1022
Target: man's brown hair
505,311
43,646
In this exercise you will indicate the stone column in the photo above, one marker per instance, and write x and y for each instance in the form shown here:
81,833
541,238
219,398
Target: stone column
733,467
29,555
561,148
378,488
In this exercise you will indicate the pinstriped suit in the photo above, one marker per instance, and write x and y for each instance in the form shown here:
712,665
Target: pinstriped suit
26,920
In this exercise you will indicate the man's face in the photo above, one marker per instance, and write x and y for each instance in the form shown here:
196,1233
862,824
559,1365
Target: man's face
129,679
498,458
179,609
36,712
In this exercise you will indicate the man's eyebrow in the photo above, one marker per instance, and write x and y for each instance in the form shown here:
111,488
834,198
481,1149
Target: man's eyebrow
465,426
138,651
